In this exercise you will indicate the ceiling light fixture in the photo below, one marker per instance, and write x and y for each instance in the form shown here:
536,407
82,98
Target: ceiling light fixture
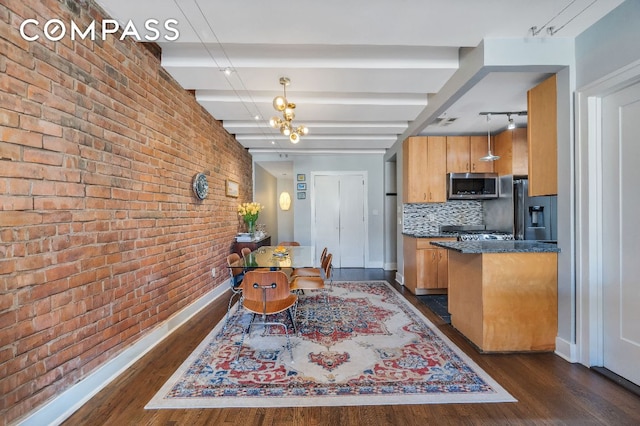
489,156
512,124
280,103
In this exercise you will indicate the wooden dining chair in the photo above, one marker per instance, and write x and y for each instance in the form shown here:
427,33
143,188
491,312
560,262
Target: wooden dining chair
299,284
311,272
236,275
267,293
245,251
313,282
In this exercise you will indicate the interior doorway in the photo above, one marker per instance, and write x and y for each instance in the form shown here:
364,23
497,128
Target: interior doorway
338,216
608,205
621,210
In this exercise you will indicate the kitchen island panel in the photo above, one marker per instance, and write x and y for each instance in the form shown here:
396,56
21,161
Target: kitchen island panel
505,302
464,297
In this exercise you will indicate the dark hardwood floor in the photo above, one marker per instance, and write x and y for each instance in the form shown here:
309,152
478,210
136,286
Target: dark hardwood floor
549,390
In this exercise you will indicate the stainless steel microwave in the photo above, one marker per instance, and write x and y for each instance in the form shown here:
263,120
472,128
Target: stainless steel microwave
472,186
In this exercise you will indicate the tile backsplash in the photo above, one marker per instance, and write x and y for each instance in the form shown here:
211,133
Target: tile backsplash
427,218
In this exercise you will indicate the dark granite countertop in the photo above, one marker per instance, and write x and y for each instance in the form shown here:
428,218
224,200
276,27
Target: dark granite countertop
426,235
497,246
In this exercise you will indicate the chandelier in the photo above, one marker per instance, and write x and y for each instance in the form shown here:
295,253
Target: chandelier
280,103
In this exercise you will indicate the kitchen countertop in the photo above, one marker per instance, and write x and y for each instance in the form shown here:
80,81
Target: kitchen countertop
427,235
497,246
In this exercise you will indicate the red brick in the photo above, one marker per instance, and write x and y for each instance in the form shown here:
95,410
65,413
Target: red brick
12,218
42,157
16,203
22,137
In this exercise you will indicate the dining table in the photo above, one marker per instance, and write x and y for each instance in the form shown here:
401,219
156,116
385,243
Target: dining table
278,257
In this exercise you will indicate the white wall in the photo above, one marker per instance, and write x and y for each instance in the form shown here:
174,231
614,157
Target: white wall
265,192
285,218
609,44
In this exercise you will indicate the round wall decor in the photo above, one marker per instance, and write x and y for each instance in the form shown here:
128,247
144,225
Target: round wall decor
200,186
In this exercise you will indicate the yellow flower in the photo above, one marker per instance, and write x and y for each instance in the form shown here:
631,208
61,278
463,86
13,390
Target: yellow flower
249,211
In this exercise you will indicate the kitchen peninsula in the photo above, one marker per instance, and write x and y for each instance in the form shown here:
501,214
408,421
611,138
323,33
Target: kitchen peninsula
503,294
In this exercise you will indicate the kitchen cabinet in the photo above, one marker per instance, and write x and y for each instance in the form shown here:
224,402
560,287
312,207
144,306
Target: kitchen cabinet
464,152
511,146
425,266
424,169
542,135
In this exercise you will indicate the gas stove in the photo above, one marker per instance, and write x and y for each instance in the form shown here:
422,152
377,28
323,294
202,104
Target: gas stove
484,236
475,233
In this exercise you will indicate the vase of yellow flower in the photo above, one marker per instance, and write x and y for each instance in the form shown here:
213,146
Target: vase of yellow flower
249,213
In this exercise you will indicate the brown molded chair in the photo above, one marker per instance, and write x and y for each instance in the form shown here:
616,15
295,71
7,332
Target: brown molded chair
311,272
266,293
235,280
245,251
313,283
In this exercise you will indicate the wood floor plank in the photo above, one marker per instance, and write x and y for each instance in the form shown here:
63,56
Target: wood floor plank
549,389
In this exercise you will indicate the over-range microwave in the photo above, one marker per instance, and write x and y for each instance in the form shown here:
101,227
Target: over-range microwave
472,186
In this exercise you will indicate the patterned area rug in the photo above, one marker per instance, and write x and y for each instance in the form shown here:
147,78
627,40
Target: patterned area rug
358,343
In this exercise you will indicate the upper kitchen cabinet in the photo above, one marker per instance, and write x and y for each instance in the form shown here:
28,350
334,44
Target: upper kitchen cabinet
424,169
511,146
542,138
464,152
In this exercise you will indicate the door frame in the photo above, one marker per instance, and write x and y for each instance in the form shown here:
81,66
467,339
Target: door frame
589,212
365,201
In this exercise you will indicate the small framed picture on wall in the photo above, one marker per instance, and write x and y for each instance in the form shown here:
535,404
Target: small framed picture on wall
302,187
302,195
301,177
232,188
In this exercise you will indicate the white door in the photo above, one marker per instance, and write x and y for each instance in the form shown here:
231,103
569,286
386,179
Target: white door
621,232
339,218
327,215
352,232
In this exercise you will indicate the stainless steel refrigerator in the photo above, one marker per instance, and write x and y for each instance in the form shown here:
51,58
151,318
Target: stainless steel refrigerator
528,218
535,218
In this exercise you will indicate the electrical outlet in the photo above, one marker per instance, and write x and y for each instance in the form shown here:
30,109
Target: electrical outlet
213,272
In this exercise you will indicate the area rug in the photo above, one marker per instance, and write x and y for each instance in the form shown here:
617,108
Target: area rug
358,343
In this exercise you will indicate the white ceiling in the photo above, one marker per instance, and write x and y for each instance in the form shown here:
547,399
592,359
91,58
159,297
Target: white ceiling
361,70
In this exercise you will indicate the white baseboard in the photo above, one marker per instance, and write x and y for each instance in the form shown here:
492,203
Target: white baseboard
390,266
374,264
566,350
399,278
64,405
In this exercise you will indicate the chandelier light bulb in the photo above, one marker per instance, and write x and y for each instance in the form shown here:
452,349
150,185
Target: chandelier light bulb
285,129
288,113
294,137
280,103
275,122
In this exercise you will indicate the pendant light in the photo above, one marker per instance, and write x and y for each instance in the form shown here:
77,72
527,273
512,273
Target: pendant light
489,156
284,124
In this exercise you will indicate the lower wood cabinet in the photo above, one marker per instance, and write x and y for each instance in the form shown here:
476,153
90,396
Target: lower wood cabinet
425,266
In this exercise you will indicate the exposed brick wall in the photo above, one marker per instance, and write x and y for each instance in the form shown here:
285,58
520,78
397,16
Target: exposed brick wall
101,238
